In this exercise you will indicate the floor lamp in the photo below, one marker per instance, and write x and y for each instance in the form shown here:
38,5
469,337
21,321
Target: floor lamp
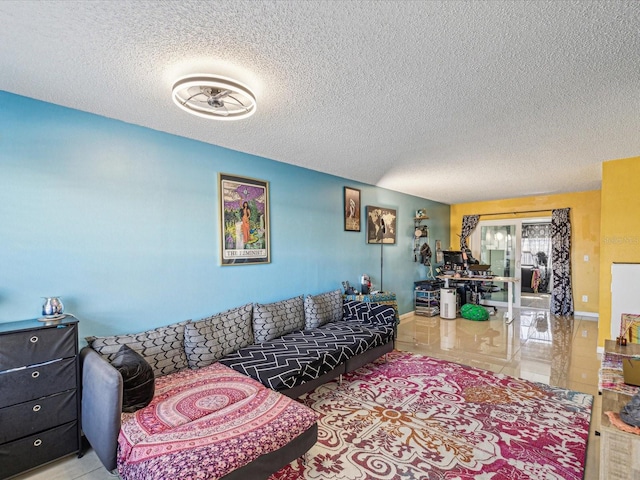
383,230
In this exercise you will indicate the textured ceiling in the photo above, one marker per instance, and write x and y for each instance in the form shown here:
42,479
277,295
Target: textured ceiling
451,101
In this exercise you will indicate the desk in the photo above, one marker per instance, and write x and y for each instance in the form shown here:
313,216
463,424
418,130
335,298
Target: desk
508,280
384,298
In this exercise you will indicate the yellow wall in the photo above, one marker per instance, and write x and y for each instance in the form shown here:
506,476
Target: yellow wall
585,229
619,228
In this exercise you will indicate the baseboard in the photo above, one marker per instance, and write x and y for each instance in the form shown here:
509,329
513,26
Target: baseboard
406,316
590,316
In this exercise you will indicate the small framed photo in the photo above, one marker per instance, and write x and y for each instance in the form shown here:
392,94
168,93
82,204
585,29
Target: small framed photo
381,225
351,209
244,220
630,327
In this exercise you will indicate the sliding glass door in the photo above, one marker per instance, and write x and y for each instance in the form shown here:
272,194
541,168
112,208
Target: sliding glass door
497,243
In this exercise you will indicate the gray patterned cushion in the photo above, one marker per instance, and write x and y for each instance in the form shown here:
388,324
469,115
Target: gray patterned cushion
322,308
162,348
211,338
273,320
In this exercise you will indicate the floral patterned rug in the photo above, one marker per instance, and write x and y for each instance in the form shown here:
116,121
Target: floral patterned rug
417,417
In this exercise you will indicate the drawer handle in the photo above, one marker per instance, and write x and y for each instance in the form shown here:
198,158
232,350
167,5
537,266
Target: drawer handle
35,374
33,339
36,408
37,443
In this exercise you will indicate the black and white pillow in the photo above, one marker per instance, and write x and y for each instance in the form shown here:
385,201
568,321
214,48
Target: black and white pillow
138,382
273,320
211,338
355,310
162,348
322,308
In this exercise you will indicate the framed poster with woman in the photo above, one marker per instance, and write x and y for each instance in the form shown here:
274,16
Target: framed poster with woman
244,220
351,209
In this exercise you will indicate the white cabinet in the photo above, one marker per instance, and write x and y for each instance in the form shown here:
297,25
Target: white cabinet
625,278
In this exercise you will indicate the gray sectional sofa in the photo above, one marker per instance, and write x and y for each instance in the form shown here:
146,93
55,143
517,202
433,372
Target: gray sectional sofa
291,347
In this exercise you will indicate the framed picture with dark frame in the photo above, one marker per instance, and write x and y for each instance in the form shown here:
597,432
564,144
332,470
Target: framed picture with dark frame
439,254
381,225
244,220
351,209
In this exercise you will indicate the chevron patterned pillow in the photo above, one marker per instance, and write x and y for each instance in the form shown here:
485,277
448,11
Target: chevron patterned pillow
273,320
323,308
162,348
211,338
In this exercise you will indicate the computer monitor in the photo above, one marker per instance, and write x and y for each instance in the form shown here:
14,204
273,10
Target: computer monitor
452,257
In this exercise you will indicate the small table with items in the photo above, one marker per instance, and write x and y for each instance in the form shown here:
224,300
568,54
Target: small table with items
619,449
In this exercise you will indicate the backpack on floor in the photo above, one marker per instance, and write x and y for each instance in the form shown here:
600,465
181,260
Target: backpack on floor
471,311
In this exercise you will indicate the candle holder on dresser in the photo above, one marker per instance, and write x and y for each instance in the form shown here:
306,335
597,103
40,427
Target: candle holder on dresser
52,311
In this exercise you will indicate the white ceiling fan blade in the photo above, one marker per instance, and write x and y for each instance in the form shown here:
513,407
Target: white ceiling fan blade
221,94
222,111
238,102
192,97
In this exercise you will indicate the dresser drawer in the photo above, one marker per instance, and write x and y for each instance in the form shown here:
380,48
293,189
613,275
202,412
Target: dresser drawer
37,346
38,381
38,415
29,452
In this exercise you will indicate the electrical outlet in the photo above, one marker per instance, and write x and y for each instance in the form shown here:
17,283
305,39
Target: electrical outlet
585,298
585,333
586,258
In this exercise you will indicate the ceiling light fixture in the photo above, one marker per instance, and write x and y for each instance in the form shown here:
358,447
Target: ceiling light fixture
213,96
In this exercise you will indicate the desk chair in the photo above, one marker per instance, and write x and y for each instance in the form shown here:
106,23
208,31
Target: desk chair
478,290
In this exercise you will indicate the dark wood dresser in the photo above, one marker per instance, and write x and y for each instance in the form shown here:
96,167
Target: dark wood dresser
39,393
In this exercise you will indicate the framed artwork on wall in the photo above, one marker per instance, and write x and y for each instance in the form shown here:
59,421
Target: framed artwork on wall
351,209
630,327
244,220
381,225
439,255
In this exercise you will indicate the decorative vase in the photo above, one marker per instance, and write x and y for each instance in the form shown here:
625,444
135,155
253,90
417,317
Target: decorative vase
52,306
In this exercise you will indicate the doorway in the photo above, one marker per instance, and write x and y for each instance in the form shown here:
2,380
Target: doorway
536,279
518,248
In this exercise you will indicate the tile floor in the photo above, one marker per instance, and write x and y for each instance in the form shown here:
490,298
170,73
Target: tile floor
535,346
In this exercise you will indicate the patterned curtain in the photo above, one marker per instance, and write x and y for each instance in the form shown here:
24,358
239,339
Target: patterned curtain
536,230
469,223
562,298
536,244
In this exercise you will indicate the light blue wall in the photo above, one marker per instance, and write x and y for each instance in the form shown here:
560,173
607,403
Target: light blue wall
122,222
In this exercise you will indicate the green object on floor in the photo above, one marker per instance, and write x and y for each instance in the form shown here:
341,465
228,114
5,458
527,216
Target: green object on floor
471,311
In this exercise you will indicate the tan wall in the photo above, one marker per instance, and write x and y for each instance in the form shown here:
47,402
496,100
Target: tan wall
585,229
619,228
